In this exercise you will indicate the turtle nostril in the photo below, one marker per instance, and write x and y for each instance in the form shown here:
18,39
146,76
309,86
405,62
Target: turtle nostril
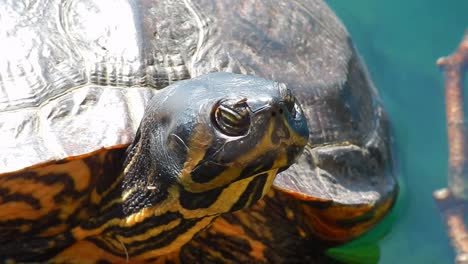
273,113
288,99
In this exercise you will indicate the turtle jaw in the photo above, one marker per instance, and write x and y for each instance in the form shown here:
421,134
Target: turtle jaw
275,145
221,153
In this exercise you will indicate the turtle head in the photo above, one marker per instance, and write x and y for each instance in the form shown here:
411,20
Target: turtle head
205,146
217,141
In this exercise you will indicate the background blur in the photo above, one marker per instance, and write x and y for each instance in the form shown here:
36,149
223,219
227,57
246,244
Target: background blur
400,42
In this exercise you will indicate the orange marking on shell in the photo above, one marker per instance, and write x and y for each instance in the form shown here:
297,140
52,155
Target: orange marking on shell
7,211
39,184
230,230
19,209
324,223
77,170
68,159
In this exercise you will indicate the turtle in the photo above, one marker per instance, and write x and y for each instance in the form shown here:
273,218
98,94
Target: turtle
76,77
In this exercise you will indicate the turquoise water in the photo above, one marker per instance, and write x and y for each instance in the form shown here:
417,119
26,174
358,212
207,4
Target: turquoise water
400,42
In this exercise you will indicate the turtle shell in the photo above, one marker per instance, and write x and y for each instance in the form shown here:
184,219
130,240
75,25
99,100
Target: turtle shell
76,76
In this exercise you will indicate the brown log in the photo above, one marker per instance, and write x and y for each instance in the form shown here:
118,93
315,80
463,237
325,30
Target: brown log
453,67
451,201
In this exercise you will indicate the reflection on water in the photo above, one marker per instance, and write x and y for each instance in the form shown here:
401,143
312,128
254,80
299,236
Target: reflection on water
400,41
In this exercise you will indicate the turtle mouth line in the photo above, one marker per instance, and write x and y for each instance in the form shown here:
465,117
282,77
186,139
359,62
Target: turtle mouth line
261,109
344,144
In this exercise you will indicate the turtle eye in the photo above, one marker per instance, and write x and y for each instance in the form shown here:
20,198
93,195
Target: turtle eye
232,117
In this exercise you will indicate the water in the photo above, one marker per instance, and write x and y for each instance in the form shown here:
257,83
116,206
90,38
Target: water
400,42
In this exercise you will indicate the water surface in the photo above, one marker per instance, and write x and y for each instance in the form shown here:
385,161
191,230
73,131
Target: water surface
400,42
